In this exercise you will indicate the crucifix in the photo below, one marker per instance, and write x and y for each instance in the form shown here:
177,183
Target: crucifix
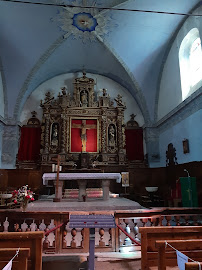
84,127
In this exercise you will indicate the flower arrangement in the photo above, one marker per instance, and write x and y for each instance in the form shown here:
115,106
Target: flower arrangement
23,196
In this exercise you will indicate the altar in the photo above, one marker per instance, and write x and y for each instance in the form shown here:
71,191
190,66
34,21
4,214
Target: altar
82,179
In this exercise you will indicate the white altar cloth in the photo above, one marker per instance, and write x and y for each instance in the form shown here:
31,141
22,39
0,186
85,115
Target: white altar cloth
80,176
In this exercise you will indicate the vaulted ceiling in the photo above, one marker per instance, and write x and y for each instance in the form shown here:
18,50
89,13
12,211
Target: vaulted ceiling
38,42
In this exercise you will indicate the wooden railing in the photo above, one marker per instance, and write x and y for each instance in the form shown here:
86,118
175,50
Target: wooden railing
68,240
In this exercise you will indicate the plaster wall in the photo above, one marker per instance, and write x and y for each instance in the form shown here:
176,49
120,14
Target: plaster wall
189,129
170,94
53,85
1,97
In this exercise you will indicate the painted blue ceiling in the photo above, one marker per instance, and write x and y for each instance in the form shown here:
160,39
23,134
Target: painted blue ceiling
131,52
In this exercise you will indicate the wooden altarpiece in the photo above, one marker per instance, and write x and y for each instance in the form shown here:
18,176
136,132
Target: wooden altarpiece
78,125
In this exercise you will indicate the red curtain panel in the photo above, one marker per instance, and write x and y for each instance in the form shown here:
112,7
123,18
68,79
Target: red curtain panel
29,144
134,144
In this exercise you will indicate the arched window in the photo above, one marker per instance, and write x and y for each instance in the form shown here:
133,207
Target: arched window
195,58
190,60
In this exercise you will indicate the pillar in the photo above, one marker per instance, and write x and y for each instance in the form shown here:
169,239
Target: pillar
105,188
10,146
82,189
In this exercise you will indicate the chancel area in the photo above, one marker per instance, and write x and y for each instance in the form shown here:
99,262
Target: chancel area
100,134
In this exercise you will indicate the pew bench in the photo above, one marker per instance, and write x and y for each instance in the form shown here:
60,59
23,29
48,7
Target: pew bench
149,236
30,240
192,266
20,261
191,248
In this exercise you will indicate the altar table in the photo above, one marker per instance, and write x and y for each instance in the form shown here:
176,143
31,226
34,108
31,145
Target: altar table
82,178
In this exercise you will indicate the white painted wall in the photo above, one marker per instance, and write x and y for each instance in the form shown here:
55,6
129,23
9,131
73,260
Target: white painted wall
187,129
1,97
53,85
170,95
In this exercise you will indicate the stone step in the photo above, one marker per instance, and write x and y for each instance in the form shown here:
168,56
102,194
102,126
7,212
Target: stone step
91,193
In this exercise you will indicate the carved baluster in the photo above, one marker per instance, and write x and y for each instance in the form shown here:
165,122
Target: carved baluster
101,242
127,241
24,226
46,242
33,226
168,219
177,219
151,220
160,221
1,227
82,234
144,221
120,239
6,225
110,237
73,233
136,231
52,234
195,220
186,220
64,242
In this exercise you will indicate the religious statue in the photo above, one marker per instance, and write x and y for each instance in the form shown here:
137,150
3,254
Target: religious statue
112,135
54,137
84,98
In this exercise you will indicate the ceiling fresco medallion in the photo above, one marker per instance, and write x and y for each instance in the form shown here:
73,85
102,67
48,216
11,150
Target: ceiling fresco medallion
86,25
84,22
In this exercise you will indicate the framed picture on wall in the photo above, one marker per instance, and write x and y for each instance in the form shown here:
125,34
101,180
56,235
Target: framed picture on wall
185,144
125,179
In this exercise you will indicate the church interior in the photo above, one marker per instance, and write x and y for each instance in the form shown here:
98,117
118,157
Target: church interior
100,134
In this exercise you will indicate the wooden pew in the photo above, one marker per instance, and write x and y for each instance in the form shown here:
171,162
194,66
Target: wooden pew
149,236
20,261
192,266
191,248
31,240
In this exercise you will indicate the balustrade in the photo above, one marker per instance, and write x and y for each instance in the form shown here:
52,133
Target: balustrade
68,240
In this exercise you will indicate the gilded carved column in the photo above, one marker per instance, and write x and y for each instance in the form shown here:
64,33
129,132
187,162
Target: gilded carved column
68,135
121,141
104,132
47,135
64,132
119,129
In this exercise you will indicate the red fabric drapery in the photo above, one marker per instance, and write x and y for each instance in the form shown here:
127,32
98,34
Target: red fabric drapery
134,144
29,144
91,135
